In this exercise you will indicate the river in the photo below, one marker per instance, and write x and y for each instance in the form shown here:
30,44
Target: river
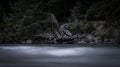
41,56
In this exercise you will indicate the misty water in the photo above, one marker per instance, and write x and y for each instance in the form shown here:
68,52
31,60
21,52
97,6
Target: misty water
41,56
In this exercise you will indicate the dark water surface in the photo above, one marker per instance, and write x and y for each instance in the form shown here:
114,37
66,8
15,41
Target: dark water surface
36,56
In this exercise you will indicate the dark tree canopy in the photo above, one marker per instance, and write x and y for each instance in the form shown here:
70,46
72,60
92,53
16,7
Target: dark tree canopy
20,19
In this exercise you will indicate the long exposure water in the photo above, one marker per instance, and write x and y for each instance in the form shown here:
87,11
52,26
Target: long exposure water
39,56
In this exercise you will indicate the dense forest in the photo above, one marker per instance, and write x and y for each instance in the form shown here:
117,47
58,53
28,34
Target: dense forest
22,20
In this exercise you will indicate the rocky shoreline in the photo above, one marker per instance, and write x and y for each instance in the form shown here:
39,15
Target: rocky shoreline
60,34
75,39
64,36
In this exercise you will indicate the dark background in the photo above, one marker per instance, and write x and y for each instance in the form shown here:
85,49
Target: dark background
22,19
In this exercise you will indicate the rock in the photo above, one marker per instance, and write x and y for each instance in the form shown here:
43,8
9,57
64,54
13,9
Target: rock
83,36
106,41
64,40
77,36
98,40
92,42
67,32
90,37
113,41
83,41
29,41
23,42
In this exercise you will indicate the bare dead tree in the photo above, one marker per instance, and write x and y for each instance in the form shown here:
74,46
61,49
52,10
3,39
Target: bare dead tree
55,25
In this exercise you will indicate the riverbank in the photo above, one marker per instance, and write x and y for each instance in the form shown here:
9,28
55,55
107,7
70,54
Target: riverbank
64,45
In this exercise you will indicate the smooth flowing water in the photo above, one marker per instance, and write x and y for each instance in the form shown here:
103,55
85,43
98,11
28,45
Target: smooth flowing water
36,56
